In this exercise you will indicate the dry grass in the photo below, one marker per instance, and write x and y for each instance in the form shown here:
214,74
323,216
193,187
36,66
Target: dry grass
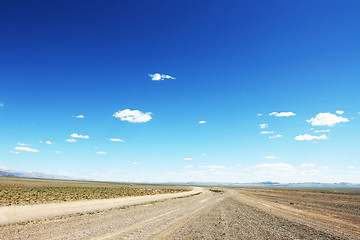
20,191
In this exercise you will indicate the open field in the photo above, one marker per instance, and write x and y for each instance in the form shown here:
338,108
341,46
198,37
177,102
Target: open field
22,191
216,213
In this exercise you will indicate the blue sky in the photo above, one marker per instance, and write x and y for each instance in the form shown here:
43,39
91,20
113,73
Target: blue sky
224,63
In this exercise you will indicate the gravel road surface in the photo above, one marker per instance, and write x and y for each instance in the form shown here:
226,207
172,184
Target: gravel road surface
232,213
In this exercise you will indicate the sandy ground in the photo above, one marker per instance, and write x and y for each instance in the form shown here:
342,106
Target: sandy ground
31,212
232,214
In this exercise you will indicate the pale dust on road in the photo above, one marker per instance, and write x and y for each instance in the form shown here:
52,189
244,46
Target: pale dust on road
232,214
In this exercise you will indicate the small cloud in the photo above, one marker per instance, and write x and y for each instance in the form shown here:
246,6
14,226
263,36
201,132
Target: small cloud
202,122
22,144
48,142
276,136
188,159
116,140
274,166
133,116
350,167
70,140
75,135
282,114
238,165
326,119
57,152
266,132
203,154
2,104
324,167
322,131
339,112
270,157
160,77
135,163
307,165
25,149
264,125
101,152
188,166
308,137
14,152
259,114
80,116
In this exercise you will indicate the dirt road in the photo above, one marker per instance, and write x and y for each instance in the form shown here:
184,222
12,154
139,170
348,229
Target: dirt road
231,214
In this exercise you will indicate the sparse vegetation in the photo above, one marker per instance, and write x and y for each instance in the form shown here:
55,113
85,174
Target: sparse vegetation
216,190
34,191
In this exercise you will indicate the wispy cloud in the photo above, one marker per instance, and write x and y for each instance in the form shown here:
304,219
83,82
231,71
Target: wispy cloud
160,77
266,132
70,140
48,142
270,157
307,165
15,152
274,166
187,159
308,137
22,144
133,116
25,149
282,114
2,104
213,167
276,136
202,122
326,119
259,114
264,125
322,131
75,135
116,140
188,166
101,152
80,116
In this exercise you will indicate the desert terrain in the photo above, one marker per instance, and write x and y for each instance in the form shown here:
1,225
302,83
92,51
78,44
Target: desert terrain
202,213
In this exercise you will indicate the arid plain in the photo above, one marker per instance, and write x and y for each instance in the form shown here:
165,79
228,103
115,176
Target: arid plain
174,212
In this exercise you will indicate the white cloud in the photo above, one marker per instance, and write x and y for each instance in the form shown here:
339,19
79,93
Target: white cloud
275,166
204,154
160,77
264,125
2,104
306,165
26,149
75,135
266,132
70,140
80,116
339,112
270,157
259,114
134,116
3,168
351,167
57,152
308,137
322,131
48,142
276,136
326,119
101,152
22,144
14,152
282,114
135,163
188,166
202,122
213,167
324,167
116,140
188,159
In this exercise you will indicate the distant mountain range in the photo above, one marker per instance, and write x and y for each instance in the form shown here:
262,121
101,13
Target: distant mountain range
9,173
